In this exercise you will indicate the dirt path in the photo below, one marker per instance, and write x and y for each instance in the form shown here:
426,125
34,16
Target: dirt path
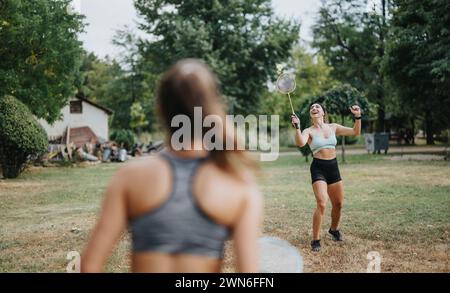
392,150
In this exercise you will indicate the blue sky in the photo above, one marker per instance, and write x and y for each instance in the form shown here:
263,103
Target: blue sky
104,17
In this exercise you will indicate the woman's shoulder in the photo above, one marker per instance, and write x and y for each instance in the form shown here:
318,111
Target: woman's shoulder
239,177
238,187
239,183
333,126
224,195
148,168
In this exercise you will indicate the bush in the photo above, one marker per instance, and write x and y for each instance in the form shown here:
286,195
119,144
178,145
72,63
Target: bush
123,137
21,136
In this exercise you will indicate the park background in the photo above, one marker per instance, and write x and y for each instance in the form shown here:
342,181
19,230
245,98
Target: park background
391,57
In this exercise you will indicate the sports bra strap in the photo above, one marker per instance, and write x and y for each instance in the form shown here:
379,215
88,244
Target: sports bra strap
183,169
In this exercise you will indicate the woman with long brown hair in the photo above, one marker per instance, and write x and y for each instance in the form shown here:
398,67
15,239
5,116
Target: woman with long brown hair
182,205
325,176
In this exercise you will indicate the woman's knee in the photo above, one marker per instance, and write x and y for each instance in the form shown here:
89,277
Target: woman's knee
338,205
321,206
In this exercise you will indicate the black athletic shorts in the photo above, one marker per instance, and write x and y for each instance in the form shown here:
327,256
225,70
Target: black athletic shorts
325,170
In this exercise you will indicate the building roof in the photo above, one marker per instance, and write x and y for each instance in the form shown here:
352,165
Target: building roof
83,98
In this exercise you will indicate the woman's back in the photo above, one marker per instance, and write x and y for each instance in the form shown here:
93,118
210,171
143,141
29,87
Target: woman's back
181,210
181,206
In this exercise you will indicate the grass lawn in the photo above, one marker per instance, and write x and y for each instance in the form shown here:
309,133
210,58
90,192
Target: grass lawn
399,208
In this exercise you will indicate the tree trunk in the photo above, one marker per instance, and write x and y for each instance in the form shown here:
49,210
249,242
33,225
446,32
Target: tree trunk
429,127
413,129
133,76
381,127
343,142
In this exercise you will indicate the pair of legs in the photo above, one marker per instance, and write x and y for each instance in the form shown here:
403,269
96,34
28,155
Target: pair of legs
322,192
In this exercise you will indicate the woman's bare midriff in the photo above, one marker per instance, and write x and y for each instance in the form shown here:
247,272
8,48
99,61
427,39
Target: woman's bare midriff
156,262
325,154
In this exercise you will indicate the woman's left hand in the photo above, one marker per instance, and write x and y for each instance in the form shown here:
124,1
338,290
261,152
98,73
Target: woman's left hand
356,110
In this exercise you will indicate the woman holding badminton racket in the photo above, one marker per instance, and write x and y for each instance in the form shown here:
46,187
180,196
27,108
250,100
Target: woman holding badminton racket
325,176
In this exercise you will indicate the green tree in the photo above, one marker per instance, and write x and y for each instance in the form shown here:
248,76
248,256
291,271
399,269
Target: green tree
21,136
352,37
312,75
138,119
241,40
140,78
105,82
123,137
98,76
39,54
417,63
126,40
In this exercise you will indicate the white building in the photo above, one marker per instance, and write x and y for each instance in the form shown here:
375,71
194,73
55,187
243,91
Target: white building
82,121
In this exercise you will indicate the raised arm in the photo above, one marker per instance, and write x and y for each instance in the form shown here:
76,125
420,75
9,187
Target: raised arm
109,227
300,138
347,131
247,230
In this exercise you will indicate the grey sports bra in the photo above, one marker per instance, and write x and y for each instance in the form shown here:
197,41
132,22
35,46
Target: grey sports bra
179,225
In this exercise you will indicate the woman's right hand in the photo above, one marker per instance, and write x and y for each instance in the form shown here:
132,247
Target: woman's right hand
295,121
